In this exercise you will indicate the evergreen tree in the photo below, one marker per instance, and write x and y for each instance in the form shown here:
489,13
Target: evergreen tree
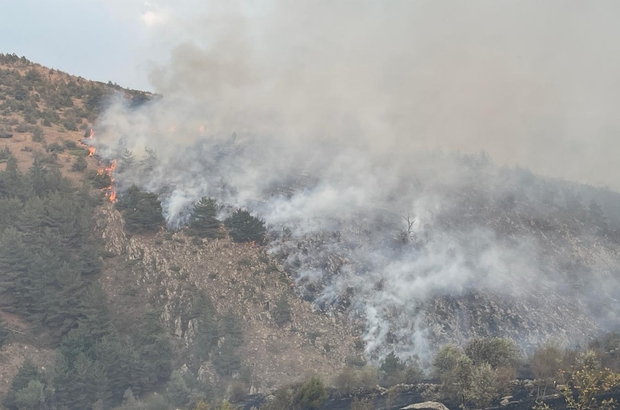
4,333
94,311
121,364
177,391
31,397
26,373
207,330
80,385
16,282
149,163
64,302
37,178
244,227
154,350
143,212
232,329
10,211
31,220
12,180
226,360
126,162
203,221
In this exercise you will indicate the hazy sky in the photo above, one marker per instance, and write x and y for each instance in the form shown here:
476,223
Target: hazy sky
97,39
535,83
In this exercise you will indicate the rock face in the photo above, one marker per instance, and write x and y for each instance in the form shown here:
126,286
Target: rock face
427,405
162,269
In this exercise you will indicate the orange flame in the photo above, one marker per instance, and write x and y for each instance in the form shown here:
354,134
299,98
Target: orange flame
91,151
109,191
112,167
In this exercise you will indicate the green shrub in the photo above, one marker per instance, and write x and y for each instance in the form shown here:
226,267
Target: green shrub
311,395
79,165
282,313
37,135
498,352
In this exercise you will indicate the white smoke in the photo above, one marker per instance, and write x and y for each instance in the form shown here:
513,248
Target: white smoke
338,109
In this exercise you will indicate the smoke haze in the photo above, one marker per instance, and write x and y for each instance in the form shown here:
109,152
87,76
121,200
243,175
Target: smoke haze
340,109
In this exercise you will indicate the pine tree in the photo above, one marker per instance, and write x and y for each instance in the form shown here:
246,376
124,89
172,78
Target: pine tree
31,220
31,397
243,227
26,373
4,333
143,212
121,364
94,311
64,302
207,329
10,211
177,391
149,163
37,178
61,216
154,349
126,162
15,261
80,385
203,221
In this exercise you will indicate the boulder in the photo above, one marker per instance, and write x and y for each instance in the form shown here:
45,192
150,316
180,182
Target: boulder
427,405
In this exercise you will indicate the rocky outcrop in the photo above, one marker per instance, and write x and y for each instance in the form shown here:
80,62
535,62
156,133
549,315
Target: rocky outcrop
164,268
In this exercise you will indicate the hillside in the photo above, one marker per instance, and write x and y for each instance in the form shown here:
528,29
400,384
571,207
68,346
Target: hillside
126,279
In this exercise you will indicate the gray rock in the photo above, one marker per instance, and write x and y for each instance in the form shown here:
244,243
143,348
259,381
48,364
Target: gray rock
427,405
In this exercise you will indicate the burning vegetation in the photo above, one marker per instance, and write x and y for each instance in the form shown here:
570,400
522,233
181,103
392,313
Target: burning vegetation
105,175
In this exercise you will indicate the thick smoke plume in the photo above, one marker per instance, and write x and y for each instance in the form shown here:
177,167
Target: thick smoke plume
328,119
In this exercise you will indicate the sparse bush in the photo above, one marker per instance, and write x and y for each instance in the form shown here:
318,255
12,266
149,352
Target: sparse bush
282,400
546,362
54,147
346,381
607,349
23,127
351,380
361,404
587,382
395,371
79,165
238,392
498,352
244,227
282,312
311,395
37,135
483,385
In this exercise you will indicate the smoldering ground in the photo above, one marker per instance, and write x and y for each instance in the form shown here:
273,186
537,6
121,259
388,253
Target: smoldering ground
339,111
